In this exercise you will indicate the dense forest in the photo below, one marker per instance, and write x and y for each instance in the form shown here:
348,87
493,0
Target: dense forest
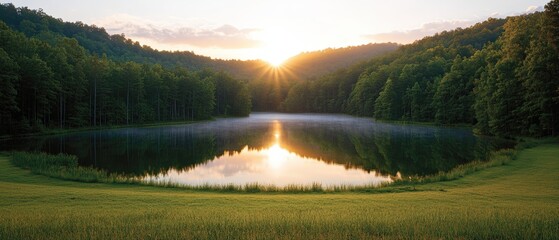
39,25
94,39
269,86
501,75
60,84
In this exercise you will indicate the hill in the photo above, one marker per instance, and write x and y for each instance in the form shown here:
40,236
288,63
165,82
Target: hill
38,24
500,75
318,63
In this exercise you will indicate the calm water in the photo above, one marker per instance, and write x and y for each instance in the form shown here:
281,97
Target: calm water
270,148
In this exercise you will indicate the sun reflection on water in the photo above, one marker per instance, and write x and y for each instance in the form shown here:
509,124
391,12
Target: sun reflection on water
274,165
276,156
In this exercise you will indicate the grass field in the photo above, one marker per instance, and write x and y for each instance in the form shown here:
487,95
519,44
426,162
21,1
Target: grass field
519,200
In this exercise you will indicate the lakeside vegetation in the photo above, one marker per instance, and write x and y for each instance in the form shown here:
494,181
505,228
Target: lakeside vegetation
357,144
518,200
66,167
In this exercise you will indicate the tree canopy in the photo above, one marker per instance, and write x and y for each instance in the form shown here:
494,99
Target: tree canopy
500,75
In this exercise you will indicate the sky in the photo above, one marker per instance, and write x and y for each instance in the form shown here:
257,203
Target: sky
276,30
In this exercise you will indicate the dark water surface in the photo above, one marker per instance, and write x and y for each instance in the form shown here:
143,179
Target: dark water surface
271,148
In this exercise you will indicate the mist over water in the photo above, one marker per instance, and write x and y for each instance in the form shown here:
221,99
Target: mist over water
271,148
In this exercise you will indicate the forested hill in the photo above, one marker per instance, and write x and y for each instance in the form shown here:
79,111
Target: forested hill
318,63
37,24
355,89
501,75
47,84
62,74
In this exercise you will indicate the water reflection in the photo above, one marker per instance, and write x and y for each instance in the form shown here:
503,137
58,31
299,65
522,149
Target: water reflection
273,165
343,148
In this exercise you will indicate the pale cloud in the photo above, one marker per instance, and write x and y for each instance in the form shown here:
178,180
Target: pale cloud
532,9
412,35
222,37
429,29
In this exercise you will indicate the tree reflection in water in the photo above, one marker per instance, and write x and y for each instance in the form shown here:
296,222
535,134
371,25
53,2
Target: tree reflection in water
355,143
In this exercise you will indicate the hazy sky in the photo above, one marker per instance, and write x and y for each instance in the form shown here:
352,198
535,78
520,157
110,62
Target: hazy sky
275,30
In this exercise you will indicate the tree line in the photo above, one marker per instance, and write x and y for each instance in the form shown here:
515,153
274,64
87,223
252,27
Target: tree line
501,75
269,86
96,40
58,83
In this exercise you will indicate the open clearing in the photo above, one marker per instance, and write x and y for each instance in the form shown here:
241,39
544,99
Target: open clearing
519,200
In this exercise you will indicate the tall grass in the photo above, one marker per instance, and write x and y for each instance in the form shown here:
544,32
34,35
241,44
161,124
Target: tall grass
497,158
270,188
58,166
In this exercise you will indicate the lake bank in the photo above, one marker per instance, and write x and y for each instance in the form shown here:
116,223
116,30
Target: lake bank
66,167
271,149
516,200
56,131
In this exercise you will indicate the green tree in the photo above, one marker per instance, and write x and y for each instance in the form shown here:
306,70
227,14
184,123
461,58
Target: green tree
9,80
76,89
384,105
454,97
414,100
38,90
96,72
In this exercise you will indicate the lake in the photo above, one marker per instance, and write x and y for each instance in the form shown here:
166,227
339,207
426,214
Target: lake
271,149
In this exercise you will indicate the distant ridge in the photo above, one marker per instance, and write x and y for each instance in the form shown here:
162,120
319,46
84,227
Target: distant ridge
38,24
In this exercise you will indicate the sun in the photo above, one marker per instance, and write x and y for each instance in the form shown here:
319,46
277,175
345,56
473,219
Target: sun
275,55
276,156
275,61
276,47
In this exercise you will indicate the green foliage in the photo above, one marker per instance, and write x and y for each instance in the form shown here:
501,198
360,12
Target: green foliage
328,94
309,65
516,94
425,62
226,89
58,166
9,79
59,84
498,158
454,97
43,161
384,105
499,75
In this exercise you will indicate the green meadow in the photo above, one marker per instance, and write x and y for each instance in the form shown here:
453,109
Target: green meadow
517,200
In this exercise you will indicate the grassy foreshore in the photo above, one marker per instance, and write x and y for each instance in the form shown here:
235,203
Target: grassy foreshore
66,167
518,200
